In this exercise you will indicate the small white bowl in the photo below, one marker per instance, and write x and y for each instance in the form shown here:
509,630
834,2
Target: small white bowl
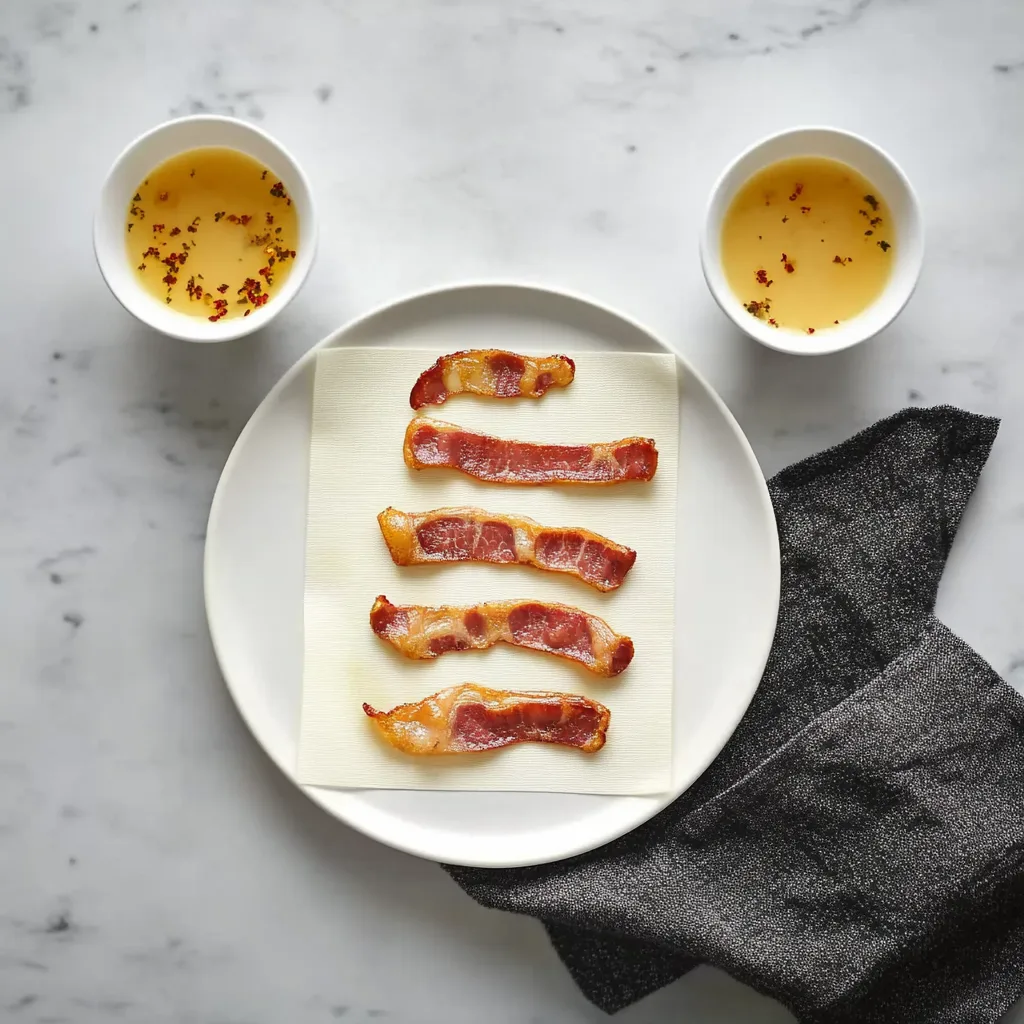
883,172
150,150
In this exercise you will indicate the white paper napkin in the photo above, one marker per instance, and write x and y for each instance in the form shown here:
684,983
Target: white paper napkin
360,412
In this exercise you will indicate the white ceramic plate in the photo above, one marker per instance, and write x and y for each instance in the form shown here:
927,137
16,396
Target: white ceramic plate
727,582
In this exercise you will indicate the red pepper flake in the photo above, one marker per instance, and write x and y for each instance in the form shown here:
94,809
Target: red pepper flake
222,288
252,291
771,320
174,231
199,291
872,202
158,228
835,321
130,225
869,232
137,198
220,303
162,197
192,229
875,220
270,218
217,316
761,276
864,213
138,211
141,266
233,218
245,218
247,312
277,190
784,219
885,246
263,176
805,209
217,216
170,279
797,189
810,330
151,251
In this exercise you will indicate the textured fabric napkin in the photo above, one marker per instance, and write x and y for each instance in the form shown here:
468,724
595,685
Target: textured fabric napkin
857,850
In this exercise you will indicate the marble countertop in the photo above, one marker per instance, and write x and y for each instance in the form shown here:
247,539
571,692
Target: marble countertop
157,868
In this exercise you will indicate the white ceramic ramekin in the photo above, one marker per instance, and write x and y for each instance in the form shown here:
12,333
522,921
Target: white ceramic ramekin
880,169
149,151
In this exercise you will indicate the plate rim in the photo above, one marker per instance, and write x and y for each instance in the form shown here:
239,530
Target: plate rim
650,804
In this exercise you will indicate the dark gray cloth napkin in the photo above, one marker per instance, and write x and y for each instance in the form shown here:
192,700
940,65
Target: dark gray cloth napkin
857,849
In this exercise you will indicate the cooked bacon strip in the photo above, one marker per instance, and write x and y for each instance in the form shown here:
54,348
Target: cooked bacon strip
430,443
421,632
468,534
468,718
492,373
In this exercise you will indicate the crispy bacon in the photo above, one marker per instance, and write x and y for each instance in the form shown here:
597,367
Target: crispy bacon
472,535
421,632
492,373
468,718
430,443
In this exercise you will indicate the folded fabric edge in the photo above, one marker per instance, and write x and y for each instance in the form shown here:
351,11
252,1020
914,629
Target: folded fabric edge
973,909
640,968
979,429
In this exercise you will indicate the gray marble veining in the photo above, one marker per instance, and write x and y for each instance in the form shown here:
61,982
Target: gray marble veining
156,867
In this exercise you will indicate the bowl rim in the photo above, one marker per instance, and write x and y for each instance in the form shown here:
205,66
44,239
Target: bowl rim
309,233
778,340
